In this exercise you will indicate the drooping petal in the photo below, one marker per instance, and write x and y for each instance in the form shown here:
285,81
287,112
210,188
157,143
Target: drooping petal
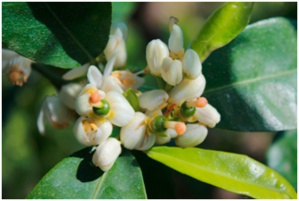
69,93
76,72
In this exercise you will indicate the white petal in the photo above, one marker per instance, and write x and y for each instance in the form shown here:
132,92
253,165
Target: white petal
121,111
191,64
106,154
194,135
104,131
207,115
110,64
41,120
7,55
123,28
112,84
94,76
148,142
132,134
187,89
116,44
153,99
156,52
76,72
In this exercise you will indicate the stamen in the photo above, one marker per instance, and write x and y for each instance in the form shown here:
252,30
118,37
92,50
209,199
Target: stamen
95,97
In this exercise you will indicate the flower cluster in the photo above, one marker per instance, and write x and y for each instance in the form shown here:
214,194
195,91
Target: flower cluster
111,99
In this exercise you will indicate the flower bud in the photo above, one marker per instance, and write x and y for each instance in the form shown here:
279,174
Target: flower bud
57,114
156,51
191,64
121,111
187,89
83,102
152,100
116,44
132,135
176,41
69,93
122,26
194,135
172,71
92,132
106,154
147,142
207,115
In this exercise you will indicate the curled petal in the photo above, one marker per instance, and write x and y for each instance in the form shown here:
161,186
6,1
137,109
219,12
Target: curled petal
94,76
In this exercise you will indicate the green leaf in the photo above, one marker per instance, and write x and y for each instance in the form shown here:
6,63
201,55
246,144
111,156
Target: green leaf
233,172
282,156
76,177
222,27
59,34
122,10
252,81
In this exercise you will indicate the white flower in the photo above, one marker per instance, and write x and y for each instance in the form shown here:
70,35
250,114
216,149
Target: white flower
194,135
156,51
207,115
187,89
84,102
91,131
16,67
176,41
69,93
191,64
172,71
117,43
152,100
56,114
135,135
106,154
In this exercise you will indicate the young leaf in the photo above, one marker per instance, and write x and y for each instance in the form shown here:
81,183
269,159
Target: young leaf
76,177
59,34
222,27
282,156
233,172
252,81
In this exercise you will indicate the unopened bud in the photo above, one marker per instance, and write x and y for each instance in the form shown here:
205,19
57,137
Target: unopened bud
176,42
194,135
156,51
122,26
153,100
191,64
207,115
169,133
187,89
106,154
172,71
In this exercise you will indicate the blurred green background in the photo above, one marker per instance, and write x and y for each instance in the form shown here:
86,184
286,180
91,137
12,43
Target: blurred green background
27,156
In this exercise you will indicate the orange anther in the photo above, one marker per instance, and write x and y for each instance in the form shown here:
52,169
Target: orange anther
180,128
201,102
95,97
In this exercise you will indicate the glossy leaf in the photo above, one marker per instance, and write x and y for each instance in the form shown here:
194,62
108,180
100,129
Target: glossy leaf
252,80
76,177
222,27
282,156
59,34
233,172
